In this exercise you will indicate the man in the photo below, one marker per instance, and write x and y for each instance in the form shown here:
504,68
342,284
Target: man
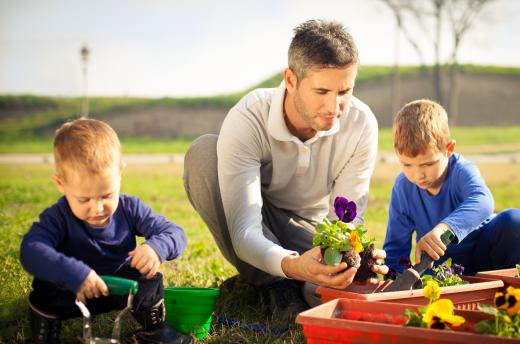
283,155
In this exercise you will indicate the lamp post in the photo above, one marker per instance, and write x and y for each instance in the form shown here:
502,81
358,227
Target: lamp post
84,52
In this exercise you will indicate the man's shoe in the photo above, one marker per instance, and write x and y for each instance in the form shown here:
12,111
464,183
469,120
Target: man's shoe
286,299
155,329
45,327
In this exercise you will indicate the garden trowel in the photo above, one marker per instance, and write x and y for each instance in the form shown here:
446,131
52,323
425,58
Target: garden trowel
411,277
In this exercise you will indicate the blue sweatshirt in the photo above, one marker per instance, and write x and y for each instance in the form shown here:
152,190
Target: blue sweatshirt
62,249
464,202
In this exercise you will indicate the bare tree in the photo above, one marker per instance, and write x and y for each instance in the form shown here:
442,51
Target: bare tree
430,16
462,15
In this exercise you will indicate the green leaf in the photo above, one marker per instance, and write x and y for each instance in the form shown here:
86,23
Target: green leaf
332,256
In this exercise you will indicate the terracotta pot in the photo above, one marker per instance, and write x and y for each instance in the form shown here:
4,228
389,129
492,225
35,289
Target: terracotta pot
508,276
361,321
467,296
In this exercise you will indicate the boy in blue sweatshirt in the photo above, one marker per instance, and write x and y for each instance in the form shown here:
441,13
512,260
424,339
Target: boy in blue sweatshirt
440,190
89,232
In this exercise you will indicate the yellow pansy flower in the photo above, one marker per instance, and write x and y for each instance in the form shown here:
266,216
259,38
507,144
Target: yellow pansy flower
432,291
355,240
512,300
439,315
508,301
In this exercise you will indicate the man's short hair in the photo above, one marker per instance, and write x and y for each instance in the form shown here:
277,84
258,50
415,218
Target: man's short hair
85,146
419,126
321,44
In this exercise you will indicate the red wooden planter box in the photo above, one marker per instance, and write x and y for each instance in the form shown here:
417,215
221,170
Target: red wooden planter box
467,296
508,276
361,321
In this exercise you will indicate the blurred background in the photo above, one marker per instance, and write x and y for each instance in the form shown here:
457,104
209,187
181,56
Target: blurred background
172,69
163,72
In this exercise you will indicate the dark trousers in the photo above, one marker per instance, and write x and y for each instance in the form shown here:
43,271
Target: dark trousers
53,300
498,245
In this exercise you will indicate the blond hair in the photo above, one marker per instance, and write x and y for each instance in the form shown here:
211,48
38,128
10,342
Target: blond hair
421,125
85,146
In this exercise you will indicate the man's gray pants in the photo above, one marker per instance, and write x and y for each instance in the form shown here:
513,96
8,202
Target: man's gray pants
282,227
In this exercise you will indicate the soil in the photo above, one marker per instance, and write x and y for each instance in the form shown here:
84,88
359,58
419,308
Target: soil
352,258
365,270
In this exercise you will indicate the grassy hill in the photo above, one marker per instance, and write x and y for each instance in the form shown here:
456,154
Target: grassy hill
489,96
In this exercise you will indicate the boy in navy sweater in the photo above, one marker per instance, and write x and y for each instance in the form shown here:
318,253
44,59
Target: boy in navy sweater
440,190
89,232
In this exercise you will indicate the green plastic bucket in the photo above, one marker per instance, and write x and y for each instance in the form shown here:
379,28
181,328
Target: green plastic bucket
189,309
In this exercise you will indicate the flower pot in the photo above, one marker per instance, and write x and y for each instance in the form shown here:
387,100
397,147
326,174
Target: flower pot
189,310
467,296
508,276
361,321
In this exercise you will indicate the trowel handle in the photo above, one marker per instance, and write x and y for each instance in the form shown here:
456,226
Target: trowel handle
446,238
120,286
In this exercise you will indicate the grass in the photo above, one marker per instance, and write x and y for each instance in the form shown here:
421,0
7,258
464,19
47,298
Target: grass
26,190
473,140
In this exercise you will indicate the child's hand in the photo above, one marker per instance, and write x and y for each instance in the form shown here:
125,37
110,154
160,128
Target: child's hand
93,286
145,259
431,243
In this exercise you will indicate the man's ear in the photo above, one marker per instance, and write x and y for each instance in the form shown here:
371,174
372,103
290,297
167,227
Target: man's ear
58,182
451,148
290,79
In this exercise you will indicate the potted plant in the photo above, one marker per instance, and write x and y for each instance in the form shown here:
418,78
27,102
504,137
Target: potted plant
343,241
361,321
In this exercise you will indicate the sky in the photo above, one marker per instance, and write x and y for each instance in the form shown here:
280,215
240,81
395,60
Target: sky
204,47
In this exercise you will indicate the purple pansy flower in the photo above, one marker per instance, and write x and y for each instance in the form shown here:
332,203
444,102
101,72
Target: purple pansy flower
458,269
345,210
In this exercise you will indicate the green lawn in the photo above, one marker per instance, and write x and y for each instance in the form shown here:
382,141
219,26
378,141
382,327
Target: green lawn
26,190
474,140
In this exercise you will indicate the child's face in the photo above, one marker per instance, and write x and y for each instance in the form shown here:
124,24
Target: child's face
427,170
92,198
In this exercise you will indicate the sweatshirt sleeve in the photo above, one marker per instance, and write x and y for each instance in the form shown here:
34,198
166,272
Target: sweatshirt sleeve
39,255
166,238
239,161
477,202
398,240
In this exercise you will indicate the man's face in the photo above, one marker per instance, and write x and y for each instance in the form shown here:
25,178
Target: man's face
427,170
321,97
92,198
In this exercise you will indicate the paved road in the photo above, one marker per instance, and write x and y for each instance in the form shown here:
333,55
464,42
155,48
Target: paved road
179,158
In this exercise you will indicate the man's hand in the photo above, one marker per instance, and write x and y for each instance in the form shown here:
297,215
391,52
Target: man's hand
309,268
92,286
378,267
432,243
146,260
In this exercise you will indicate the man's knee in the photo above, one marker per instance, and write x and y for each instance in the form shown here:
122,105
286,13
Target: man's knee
200,164
202,151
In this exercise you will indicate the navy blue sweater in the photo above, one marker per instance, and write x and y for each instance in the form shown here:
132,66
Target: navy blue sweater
62,249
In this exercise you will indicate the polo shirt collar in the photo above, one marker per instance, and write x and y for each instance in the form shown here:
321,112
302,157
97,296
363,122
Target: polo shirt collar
276,125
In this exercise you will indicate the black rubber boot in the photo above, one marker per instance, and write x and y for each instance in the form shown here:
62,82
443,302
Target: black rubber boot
45,327
155,329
